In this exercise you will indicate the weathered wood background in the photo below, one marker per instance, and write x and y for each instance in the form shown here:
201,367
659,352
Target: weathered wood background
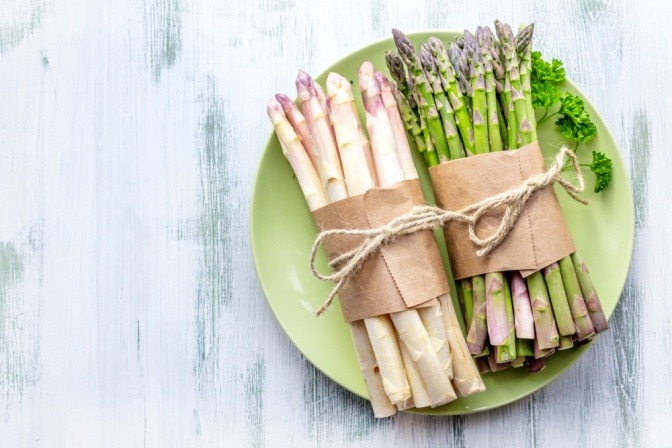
130,312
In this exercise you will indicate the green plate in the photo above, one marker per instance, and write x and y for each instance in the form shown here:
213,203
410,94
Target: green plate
282,233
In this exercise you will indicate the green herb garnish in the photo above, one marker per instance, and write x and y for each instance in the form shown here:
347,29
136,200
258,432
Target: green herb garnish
603,169
572,118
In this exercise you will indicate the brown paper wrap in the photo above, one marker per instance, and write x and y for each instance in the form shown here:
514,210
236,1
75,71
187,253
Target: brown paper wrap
540,236
403,274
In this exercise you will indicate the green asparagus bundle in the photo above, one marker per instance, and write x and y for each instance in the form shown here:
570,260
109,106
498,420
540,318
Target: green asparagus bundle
478,96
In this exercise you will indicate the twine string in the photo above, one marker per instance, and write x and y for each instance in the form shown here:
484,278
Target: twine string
426,217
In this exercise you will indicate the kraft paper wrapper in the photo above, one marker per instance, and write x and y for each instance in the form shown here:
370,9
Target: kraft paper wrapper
404,274
540,236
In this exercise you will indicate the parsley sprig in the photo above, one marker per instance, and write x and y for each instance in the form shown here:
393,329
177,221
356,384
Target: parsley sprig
572,117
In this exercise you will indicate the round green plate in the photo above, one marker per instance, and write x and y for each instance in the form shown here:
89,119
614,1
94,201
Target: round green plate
282,233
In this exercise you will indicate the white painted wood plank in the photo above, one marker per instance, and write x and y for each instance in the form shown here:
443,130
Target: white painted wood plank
130,313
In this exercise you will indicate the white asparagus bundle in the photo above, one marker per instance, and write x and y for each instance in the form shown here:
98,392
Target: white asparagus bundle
359,180
311,187
407,358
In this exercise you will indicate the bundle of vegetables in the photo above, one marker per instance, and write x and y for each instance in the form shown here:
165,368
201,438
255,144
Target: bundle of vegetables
412,358
479,96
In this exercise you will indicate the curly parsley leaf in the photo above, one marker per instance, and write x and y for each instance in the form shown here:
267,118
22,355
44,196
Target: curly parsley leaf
602,166
574,121
543,71
545,94
543,80
572,118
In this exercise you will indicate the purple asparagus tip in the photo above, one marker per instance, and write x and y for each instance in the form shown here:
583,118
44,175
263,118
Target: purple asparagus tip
382,80
397,34
285,101
306,83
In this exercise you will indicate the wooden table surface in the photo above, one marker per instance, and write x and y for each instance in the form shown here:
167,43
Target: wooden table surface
130,311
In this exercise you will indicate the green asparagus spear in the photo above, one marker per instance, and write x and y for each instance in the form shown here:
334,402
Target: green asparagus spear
592,301
457,100
524,49
411,121
524,347
566,342
563,316
577,306
445,109
479,99
478,328
544,324
494,133
512,69
507,352
424,97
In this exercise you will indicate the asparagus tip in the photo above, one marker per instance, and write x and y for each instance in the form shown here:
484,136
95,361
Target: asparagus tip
398,35
382,80
273,108
305,86
366,75
334,81
405,47
426,57
435,42
396,67
284,101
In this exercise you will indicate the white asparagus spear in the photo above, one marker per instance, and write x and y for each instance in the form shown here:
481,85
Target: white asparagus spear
381,332
350,145
431,316
324,103
321,97
363,138
408,404
328,161
387,352
398,128
311,186
432,319
382,407
420,397
366,145
388,166
383,144
415,337
296,155
298,122
466,378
